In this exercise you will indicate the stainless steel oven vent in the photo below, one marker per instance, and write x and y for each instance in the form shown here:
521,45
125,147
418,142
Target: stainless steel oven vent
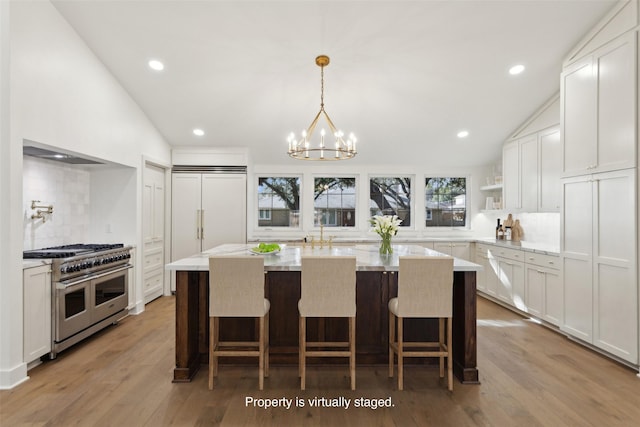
42,153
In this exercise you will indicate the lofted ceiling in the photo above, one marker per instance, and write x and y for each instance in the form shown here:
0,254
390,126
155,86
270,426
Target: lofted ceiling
405,76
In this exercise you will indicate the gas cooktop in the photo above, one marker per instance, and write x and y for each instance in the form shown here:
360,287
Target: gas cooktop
67,251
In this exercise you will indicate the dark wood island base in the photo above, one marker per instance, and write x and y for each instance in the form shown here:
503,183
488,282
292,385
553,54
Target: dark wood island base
282,288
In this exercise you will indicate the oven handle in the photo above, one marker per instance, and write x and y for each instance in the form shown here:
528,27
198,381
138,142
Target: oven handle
65,285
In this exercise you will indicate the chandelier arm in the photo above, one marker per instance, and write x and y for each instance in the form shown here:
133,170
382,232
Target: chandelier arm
312,126
329,122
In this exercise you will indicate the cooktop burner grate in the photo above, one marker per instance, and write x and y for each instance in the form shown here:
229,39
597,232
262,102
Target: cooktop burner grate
67,251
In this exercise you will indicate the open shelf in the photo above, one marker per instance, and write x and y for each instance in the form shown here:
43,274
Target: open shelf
491,187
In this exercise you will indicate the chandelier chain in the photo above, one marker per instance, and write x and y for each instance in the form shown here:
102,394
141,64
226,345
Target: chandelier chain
322,87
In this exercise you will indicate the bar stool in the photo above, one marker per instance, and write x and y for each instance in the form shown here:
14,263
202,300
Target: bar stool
236,289
425,290
328,289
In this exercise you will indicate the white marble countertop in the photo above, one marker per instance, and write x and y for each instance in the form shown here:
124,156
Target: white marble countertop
523,245
289,258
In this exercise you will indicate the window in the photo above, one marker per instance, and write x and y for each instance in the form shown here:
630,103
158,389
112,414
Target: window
334,202
391,196
445,202
278,202
265,215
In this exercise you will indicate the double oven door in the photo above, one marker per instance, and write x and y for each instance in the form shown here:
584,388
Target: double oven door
81,303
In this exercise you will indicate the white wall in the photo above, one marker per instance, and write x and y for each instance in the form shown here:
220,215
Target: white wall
12,369
55,91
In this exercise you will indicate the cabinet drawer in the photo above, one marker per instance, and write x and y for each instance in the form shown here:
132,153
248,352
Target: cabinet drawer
511,254
482,249
541,260
155,281
153,260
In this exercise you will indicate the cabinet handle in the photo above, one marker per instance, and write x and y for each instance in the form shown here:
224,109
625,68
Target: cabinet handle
198,218
202,224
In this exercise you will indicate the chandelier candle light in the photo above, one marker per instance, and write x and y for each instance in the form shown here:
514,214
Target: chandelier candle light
303,150
386,226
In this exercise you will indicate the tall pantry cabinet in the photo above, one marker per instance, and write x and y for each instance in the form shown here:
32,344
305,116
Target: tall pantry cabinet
599,212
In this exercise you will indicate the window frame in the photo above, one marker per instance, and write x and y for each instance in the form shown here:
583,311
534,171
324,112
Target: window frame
467,204
412,213
259,228
356,190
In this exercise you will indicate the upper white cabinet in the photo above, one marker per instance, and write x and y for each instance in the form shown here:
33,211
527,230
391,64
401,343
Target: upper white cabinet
511,176
532,168
598,113
549,170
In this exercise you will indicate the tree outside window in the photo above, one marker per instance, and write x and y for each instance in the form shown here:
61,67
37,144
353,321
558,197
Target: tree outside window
334,202
278,202
445,202
391,196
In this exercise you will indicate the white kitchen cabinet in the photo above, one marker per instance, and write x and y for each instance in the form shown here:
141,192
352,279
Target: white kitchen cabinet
599,260
511,176
487,279
208,209
543,287
511,282
457,249
549,170
528,173
153,224
598,113
532,168
36,284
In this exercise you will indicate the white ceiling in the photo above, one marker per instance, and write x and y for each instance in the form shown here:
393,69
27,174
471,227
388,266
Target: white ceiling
405,76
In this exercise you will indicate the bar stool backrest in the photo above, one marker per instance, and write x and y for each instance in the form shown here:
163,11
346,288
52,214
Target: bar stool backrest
425,286
328,286
236,286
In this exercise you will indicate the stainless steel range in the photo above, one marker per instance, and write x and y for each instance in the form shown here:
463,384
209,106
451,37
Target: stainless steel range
89,289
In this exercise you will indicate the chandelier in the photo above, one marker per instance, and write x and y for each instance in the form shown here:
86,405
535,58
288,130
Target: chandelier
340,149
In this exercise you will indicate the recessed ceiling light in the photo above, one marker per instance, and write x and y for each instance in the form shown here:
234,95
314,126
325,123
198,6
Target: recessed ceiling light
154,64
516,69
198,132
463,134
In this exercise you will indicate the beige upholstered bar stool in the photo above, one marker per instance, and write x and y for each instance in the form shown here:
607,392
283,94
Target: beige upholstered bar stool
236,289
328,289
425,290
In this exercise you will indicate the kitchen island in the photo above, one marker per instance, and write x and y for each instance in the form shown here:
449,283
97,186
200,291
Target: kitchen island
376,283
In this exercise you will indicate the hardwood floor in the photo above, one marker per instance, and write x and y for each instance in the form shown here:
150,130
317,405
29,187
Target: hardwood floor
530,376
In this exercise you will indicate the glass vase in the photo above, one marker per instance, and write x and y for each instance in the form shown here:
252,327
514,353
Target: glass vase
385,245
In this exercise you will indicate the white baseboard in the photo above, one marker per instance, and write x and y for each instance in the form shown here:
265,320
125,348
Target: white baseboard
13,377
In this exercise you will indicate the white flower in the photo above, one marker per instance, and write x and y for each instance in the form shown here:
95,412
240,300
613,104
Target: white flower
385,225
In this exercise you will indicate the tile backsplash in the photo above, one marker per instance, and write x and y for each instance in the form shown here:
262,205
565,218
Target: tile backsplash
67,188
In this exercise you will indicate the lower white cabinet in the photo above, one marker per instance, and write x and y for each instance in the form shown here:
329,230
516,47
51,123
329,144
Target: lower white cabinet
527,281
460,250
36,283
486,279
543,287
599,261
510,273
